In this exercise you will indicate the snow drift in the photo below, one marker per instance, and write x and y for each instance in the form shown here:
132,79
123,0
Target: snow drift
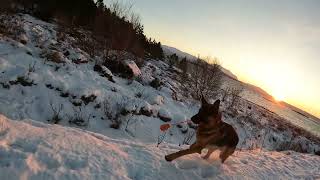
33,150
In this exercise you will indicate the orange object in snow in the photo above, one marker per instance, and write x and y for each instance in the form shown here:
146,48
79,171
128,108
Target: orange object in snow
164,127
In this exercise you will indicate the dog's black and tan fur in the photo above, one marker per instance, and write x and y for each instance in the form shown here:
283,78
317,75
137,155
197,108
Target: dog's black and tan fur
212,133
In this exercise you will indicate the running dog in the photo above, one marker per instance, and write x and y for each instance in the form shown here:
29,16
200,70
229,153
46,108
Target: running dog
212,133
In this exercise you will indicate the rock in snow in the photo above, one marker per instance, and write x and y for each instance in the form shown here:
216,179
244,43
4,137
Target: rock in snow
132,68
23,39
103,71
146,110
56,56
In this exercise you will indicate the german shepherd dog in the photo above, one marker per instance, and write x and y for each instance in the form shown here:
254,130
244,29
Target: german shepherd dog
212,133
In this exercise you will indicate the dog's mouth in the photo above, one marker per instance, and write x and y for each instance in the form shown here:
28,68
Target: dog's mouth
195,120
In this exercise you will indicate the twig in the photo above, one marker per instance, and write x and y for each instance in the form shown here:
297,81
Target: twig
161,138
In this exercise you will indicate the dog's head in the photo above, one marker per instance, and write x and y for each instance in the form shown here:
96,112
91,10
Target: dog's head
207,112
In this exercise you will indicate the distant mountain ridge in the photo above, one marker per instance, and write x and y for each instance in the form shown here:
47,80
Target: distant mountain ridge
168,50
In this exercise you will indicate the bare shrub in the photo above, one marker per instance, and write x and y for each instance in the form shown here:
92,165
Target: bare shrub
79,118
205,78
121,9
12,27
173,60
107,109
53,56
161,138
138,94
156,83
188,137
31,68
56,117
114,115
235,92
130,121
23,80
184,66
231,96
88,99
135,20
5,85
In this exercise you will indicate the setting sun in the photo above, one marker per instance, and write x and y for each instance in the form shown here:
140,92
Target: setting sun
279,96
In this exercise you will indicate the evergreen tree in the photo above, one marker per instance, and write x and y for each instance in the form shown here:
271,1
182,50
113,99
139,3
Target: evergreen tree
112,31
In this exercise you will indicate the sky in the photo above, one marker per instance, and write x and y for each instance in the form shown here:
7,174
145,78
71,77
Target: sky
273,44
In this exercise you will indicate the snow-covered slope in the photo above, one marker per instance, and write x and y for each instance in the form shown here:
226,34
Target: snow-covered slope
33,150
168,50
78,89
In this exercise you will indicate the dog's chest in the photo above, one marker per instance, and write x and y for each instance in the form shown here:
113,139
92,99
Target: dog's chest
206,135
208,129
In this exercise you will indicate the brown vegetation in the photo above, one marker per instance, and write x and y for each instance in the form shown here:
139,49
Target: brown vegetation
113,26
203,77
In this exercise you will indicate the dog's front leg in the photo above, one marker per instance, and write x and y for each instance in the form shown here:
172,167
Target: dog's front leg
193,149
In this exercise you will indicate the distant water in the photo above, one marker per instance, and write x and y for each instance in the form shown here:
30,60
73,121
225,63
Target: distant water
307,123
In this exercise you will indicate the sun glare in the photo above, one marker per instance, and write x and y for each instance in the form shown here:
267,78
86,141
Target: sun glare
279,96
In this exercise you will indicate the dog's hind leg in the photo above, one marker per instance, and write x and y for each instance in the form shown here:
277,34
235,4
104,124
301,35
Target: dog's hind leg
210,151
196,146
191,150
226,152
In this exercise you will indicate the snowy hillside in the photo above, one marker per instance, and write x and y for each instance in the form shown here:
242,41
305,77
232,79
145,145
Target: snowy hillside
171,50
168,50
33,150
91,122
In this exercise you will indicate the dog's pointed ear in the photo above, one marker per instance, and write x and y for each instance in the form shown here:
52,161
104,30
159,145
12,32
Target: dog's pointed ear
215,107
203,100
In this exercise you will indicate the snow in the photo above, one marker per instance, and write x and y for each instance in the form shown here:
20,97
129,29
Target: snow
164,115
31,147
34,150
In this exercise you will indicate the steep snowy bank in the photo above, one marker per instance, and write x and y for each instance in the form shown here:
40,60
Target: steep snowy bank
33,150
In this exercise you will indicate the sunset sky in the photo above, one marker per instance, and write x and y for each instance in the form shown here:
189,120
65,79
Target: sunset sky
273,44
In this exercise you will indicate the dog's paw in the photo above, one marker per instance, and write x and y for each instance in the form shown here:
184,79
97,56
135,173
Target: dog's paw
205,157
167,158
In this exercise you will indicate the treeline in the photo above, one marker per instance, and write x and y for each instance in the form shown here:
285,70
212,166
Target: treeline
115,24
